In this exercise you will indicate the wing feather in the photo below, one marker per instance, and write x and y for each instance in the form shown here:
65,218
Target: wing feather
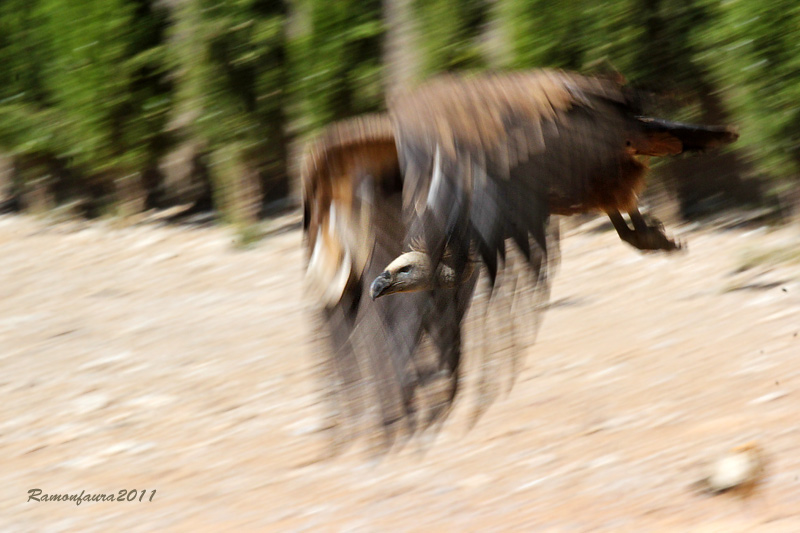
489,159
372,365
509,149
462,167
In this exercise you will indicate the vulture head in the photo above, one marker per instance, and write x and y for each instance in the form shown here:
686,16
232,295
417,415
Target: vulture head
411,272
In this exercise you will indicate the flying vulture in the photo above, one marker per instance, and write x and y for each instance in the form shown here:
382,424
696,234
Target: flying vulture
461,173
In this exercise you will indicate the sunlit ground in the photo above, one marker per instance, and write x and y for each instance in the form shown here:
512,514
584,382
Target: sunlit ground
161,358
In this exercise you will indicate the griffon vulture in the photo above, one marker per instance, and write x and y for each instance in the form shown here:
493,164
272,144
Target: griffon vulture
408,204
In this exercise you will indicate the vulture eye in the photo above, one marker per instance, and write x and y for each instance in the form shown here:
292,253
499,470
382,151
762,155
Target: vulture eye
404,270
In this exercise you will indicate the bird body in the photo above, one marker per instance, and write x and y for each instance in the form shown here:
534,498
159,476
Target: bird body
458,167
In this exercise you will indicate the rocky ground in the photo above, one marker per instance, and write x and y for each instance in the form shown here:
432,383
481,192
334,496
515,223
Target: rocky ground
165,359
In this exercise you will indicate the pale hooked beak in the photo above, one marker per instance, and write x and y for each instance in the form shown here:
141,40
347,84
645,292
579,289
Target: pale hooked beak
379,286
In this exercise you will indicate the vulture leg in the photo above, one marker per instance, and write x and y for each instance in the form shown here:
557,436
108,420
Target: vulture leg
643,236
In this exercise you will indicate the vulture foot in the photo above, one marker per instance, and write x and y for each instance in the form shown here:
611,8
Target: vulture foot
644,236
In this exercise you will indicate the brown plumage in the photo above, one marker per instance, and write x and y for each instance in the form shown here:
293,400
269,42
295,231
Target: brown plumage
339,173
354,227
514,148
460,166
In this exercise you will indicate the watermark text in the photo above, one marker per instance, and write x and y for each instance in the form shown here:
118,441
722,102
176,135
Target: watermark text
134,495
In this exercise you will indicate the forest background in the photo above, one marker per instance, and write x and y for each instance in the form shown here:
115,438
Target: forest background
112,107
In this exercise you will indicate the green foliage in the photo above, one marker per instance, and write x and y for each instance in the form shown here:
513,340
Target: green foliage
84,86
752,52
100,79
545,32
24,52
336,55
648,40
100,90
242,72
450,34
232,82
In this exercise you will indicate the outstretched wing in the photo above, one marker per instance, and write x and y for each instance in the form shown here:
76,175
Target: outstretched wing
489,158
352,197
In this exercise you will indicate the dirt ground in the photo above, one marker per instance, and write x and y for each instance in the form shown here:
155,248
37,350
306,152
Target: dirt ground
163,358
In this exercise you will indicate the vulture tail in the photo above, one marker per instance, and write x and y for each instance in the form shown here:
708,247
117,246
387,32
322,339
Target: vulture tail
665,137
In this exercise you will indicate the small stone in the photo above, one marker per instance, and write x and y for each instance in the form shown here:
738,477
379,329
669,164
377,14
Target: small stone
740,468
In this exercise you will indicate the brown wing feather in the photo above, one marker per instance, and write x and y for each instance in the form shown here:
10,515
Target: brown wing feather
339,173
465,164
489,158
372,362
